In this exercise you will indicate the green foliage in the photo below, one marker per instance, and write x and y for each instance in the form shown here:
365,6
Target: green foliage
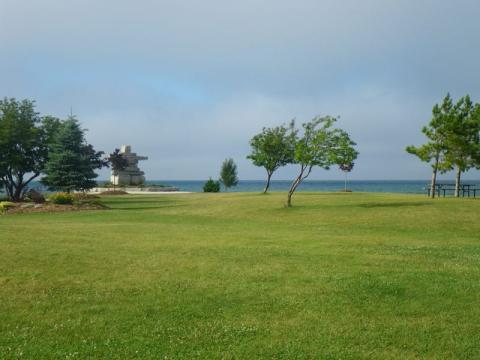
62,198
5,205
228,173
71,161
211,186
453,138
323,146
23,149
117,161
273,148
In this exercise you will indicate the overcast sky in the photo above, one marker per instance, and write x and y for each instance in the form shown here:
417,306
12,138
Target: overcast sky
188,83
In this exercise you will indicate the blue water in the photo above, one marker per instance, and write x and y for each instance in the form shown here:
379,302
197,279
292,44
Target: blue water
393,186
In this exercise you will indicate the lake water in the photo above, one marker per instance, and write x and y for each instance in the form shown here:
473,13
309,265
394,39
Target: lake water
392,186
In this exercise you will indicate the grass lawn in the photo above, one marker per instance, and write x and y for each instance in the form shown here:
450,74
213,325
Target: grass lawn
237,276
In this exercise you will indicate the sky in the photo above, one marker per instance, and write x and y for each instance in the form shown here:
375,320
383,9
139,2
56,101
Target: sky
188,83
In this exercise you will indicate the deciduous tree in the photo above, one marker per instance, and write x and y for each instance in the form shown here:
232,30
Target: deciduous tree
273,148
320,145
23,148
118,163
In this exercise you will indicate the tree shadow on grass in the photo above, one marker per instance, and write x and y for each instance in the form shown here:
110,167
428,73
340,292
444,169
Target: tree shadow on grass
144,207
393,204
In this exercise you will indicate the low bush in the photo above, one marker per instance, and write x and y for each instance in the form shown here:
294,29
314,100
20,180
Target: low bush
35,196
211,186
5,205
62,198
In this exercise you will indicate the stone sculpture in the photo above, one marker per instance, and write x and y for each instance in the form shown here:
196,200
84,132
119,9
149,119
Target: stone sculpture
131,175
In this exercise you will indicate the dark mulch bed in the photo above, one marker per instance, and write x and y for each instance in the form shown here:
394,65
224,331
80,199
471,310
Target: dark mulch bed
114,192
22,208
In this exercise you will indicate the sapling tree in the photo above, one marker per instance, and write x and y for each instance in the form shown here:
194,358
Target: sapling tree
117,162
273,148
228,174
320,145
346,168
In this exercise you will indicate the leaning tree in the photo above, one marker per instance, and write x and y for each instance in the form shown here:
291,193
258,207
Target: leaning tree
273,148
320,145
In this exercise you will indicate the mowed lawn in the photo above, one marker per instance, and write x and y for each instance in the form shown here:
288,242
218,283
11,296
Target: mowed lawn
238,276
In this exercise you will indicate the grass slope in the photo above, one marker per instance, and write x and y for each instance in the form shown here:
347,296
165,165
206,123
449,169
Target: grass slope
210,276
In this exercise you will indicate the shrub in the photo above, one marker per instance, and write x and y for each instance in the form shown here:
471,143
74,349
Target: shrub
5,205
35,196
62,198
211,186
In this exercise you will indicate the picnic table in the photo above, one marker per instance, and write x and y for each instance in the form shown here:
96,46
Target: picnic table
465,189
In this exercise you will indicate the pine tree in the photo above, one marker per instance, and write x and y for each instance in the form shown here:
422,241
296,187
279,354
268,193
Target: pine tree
71,161
228,174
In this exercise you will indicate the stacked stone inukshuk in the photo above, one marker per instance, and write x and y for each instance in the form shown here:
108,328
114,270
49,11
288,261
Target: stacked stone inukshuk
131,175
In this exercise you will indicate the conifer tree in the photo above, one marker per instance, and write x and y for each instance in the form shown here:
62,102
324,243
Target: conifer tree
228,174
71,161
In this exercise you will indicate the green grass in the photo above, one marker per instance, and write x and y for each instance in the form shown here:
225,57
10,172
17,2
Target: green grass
237,276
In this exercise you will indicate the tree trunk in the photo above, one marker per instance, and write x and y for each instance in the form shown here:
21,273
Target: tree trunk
292,190
267,184
345,189
457,182
434,179
297,182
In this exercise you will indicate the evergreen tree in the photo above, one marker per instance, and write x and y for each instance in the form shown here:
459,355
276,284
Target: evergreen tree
211,186
462,139
228,174
71,161
434,150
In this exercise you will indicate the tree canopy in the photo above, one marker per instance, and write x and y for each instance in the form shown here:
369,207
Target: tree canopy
453,139
71,162
23,149
320,145
273,148
228,173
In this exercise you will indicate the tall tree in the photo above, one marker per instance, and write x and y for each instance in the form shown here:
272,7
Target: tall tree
71,161
118,163
273,148
228,174
320,145
23,149
437,133
462,141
